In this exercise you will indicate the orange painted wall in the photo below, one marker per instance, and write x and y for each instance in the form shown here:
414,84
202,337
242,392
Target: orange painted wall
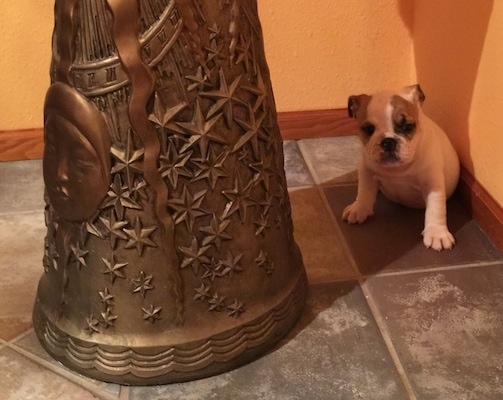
320,52
25,45
457,45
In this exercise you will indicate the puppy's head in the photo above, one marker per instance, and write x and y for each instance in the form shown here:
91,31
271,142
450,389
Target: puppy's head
389,124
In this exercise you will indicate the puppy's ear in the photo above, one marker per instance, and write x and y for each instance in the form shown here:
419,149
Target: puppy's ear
355,102
417,93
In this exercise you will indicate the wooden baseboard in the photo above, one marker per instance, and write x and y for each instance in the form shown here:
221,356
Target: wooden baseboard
21,145
28,144
315,124
482,206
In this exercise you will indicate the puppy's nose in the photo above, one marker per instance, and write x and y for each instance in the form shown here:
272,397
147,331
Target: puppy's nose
388,144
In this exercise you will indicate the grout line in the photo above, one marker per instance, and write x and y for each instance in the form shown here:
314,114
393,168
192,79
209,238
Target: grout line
305,155
67,374
480,264
381,325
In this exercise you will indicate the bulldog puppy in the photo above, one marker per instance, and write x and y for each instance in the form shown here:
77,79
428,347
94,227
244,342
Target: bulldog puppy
406,156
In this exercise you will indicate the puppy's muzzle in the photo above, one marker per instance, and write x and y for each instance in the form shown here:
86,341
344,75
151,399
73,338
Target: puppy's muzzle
389,145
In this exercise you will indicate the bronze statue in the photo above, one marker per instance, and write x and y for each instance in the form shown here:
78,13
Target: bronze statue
169,253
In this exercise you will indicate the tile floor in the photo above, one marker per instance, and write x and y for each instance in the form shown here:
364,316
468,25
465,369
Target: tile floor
385,318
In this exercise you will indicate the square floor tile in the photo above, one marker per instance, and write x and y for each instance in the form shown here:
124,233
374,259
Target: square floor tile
447,327
391,239
335,352
21,186
332,160
321,246
22,248
297,173
21,378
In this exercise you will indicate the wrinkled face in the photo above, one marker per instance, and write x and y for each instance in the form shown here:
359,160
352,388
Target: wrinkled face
73,173
388,126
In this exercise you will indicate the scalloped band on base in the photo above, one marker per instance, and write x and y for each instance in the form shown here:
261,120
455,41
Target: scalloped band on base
170,364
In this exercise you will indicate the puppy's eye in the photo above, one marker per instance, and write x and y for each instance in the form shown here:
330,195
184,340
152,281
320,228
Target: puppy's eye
408,127
368,129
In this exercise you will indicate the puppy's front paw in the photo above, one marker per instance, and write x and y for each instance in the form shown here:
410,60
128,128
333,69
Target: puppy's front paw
438,237
356,213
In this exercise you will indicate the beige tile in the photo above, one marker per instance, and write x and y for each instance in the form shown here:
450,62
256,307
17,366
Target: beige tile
21,186
315,233
332,160
21,244
24,379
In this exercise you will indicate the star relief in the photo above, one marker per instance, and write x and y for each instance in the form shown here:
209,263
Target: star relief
210,168
199,80
195,256
139,237
119,197
231,264
114,269
215,232
188,207
263,170
203,293
243,53
164,116
113,228
127,159
107,298
252,131
200,131
215,31
239,198
92,325
152,313
108,318
235,309
174,164
142,283
225,98
260,90
79,255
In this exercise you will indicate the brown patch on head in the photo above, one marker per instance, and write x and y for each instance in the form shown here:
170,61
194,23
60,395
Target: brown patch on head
404,115
357,107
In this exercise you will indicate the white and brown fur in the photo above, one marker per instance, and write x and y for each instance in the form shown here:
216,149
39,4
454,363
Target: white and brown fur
406,156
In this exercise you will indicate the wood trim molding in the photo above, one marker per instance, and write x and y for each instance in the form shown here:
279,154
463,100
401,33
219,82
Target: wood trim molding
482,206
28,144
21,145
316,123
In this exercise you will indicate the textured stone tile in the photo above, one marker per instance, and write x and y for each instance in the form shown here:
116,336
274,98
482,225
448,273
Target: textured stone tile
31,344
315,234
23,379
335,352
391,239
446,327
21,242
21,186
297,173
334,159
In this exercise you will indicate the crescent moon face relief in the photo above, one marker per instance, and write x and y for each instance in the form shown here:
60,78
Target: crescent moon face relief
76,161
